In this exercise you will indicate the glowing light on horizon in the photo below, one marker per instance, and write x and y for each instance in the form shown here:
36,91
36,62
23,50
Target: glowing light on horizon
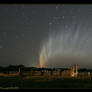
66,44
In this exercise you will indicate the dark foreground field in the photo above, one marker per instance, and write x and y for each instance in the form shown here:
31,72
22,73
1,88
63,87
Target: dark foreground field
35,83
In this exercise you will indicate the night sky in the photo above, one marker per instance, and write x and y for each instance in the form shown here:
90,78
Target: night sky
49,35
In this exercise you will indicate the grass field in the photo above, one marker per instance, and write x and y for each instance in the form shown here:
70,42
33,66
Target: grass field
41,82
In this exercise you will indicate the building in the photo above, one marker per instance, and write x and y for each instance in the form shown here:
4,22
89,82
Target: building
73,72
11,73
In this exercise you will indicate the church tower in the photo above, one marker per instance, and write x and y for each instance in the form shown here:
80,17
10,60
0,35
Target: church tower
76,70
73,71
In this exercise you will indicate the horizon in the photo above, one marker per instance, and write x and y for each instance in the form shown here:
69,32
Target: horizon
46,67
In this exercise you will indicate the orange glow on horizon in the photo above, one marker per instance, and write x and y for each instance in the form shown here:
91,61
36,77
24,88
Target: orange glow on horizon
41,63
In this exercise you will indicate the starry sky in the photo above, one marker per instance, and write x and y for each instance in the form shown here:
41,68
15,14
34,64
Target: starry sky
50,35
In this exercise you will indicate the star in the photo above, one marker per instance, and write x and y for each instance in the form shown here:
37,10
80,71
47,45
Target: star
17,37
50,23
1,46
63,17
66,26
57,7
